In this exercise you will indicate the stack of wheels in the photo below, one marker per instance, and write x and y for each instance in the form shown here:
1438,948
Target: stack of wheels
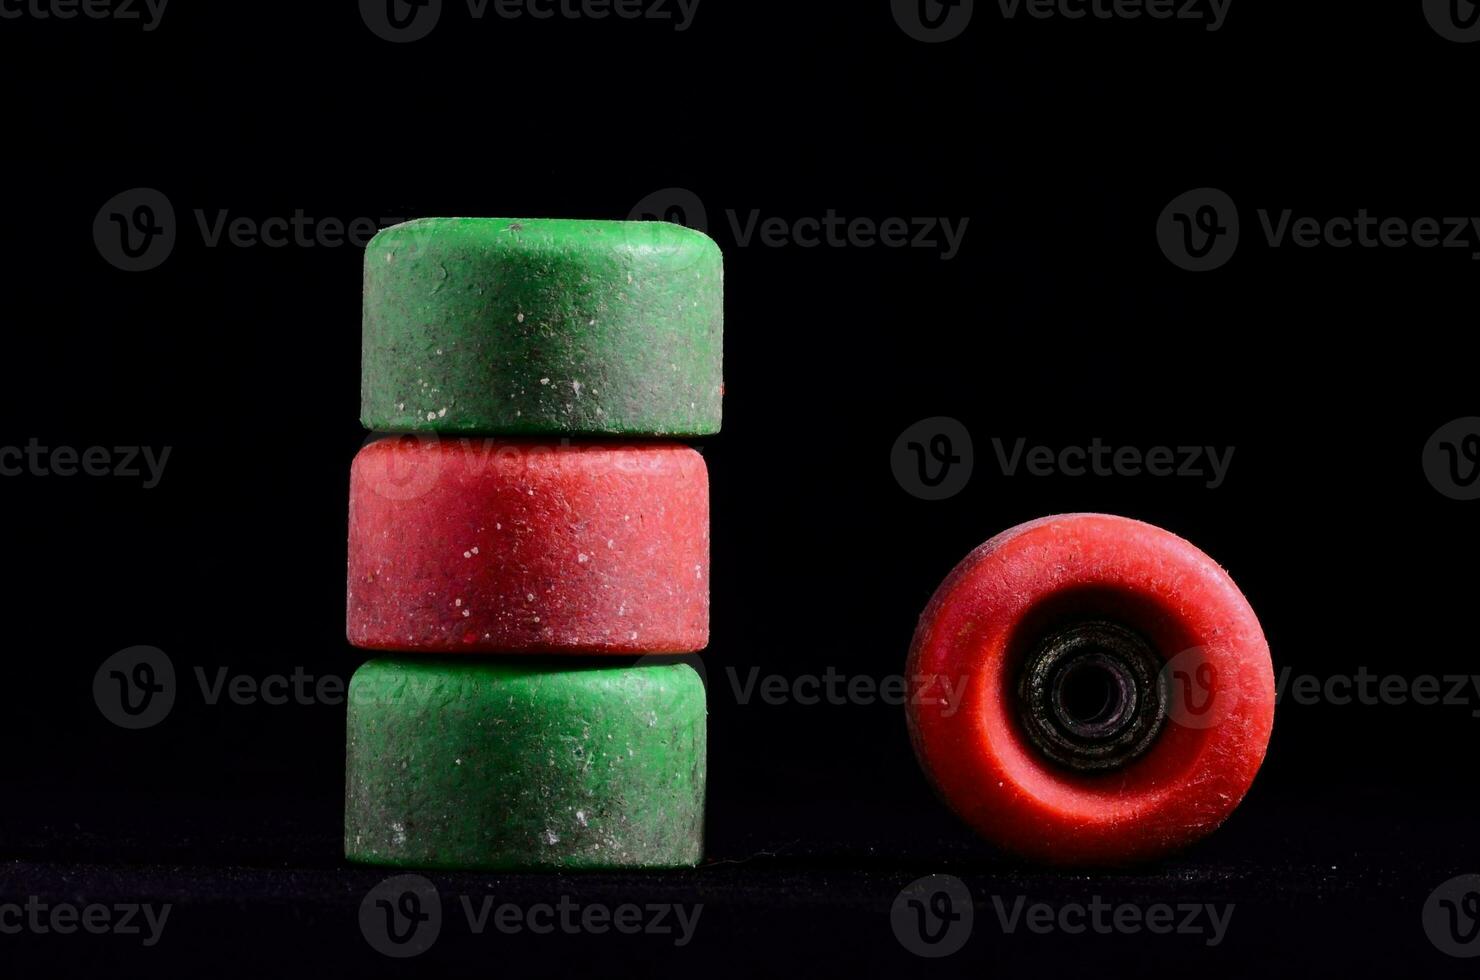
523,533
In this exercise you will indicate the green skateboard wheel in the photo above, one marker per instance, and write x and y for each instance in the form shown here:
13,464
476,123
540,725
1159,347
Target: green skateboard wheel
498,326
509,765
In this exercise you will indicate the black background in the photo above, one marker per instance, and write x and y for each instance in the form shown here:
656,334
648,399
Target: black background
1060,321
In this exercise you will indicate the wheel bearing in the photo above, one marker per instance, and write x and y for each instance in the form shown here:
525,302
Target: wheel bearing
1091,696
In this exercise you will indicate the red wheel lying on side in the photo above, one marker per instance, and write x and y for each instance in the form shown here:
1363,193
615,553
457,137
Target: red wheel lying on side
1088,689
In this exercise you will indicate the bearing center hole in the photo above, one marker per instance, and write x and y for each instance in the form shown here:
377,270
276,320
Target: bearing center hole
1089,694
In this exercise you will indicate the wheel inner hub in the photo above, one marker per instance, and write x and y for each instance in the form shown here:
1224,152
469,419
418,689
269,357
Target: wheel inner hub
1091,696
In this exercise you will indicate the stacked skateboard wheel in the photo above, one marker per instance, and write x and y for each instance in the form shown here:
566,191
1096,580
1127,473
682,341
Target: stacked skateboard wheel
524,534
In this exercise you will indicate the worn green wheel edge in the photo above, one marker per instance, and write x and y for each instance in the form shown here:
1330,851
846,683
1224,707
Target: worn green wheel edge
542,326
527,765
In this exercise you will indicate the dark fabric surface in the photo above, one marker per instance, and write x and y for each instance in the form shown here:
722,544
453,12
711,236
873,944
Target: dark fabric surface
260,887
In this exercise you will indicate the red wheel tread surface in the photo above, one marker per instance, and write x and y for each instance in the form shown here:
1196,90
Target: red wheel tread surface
497,546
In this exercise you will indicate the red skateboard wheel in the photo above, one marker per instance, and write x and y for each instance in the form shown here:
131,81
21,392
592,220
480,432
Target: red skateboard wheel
1088,689
498,546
